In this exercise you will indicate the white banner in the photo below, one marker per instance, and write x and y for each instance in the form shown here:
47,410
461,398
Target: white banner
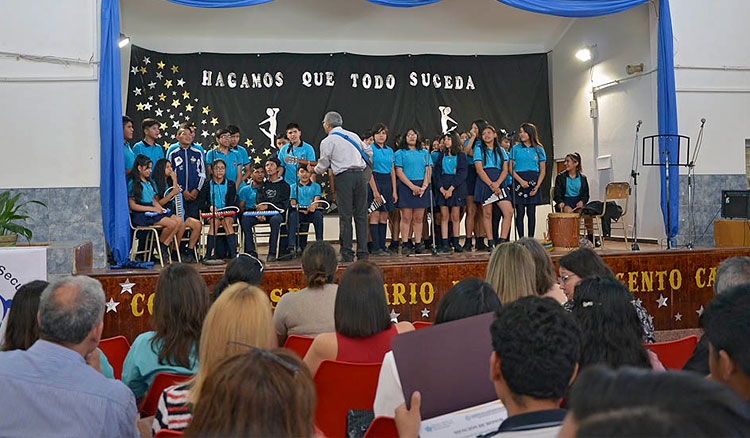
19,266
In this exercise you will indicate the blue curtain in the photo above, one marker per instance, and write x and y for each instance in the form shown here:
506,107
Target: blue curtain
219,3
403,3
574,8
113,192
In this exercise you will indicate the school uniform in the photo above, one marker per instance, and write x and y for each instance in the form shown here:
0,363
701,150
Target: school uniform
148,191
220,196
276,192
244,160
526,164
154,152
450,171
248,193
142,364
302,152
471,173
383,160
413,163
492,164
231,158
188,164
304,194
571,191
129,156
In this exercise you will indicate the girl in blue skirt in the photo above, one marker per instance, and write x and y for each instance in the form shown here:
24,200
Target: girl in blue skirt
491,163
473,215
142,200
382,186
413,172
528,166
450,176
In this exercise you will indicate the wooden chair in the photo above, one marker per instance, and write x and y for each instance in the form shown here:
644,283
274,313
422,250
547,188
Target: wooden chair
382,427
161,382
152,240
342,386
116,349
615,191
298,344
421,324
674,354
204,235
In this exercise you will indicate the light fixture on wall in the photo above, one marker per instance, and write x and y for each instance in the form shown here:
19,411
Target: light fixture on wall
586,54
124,40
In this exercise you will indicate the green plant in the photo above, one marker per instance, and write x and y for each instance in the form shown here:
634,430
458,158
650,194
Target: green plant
13,215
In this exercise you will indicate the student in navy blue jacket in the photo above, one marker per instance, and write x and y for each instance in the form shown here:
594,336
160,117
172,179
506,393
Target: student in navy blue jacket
451,167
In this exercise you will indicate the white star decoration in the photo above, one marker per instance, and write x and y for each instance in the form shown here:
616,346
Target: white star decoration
159,112
699,312
394,316
112,305
159,75
176,124
639,302
204,133
425,313
203,122
147,106
137,91
678,317
181,82
134,70
127,287
151,98
151,85
146,60
662,301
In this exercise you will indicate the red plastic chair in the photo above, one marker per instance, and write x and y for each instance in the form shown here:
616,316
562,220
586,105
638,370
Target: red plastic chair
382,427
161,382
115,349
298,344
342,386
674,354
421,324
165,433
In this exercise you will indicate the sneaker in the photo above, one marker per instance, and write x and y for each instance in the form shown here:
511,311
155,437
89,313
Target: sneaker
444,249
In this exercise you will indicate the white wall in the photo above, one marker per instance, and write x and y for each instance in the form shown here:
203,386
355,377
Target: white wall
708,37
620,39
48,111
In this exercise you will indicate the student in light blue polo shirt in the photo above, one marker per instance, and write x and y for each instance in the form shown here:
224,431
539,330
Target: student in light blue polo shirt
413,165
304,210
382,185
149,146
248,198
127,134
234,144
231,158
491,163
180,303
295,149
528,168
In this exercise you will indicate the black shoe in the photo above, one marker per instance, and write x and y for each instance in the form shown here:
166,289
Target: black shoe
346,259
467,245
164,252
405,250
444,249
393,247
481,246
380,253
456,246
298,253
270,258
285,255
419,248
188,256
490,247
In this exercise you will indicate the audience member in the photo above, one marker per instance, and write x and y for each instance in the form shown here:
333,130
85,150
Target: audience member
585,263
258,394
731,272
536,348
610,330
511,272
49,390
241,316
467,298
638,403
180,304
361,318
546,281
726,321
245,268
309,312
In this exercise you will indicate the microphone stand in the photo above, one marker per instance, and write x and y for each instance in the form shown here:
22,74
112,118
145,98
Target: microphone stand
691,175
634,176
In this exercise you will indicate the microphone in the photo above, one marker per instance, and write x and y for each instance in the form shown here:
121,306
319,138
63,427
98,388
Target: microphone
703,122
640,122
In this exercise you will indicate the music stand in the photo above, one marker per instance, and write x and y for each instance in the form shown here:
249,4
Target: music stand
682,144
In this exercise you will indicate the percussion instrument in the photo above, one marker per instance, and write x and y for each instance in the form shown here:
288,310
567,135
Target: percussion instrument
153,213
224,212
563,230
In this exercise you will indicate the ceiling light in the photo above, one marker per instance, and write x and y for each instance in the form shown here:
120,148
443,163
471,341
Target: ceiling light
124,40
584,54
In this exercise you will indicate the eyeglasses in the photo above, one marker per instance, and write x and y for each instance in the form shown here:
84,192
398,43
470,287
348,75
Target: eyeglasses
292,368
562,280
411,135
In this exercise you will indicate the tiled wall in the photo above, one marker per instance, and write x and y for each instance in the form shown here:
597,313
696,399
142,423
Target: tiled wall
73,215
707,202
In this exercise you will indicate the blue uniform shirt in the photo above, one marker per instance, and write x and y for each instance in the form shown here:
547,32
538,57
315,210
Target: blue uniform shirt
219,194
492,159
449,164
434,156
527,158
413,162
303,152
147,194
243,155
307,193
154,153
382,158
572,186
248,194
232,159
129,156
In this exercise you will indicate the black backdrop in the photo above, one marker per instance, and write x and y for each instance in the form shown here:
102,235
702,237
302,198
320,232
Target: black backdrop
214,90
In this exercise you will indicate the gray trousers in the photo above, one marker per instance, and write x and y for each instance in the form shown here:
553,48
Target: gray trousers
351,198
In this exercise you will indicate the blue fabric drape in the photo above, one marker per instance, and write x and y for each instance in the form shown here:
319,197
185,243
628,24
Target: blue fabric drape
403,3
219,3
574,8
112,189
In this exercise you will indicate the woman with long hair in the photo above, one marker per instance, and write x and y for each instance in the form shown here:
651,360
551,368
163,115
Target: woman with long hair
511,272
528,163
450,176
382,186
361,318
413,169
572,190
309,312
473,222
168,193
239,318
546,281
217,193
180,304
491,164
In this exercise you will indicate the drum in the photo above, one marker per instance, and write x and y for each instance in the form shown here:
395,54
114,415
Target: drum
563,230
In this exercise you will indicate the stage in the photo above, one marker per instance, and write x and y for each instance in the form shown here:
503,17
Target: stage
673,285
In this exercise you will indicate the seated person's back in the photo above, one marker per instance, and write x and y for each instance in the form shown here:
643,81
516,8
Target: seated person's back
49,390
